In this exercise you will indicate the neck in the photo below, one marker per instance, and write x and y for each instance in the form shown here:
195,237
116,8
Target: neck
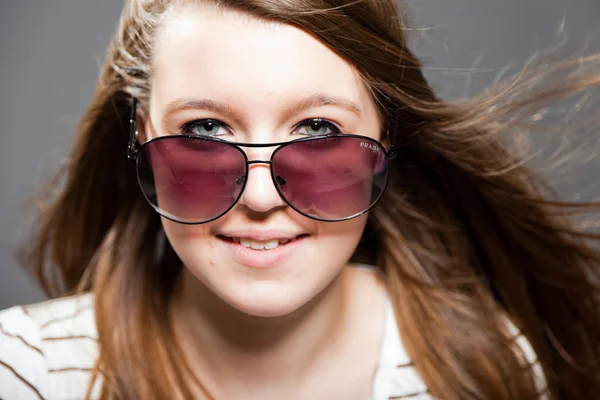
279,349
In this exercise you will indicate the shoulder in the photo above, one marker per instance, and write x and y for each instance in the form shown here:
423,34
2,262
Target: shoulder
397,377
523,347
48,349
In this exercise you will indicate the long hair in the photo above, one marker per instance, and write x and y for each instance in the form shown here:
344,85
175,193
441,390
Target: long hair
467,234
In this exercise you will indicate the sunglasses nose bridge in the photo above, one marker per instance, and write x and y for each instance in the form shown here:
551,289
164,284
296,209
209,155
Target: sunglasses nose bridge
258,151
250,162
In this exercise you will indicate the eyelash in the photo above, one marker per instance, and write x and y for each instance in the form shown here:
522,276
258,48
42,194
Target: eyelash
186,128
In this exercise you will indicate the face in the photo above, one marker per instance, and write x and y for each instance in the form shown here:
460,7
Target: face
224,74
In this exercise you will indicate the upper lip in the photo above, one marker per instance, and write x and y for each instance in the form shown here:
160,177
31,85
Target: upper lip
262,235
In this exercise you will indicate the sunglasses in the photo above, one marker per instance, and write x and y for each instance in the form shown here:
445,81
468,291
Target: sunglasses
193,179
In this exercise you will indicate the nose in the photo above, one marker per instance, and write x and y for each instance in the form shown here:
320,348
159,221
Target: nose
260,194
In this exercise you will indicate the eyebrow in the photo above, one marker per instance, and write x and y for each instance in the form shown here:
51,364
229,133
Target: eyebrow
314,100
318,100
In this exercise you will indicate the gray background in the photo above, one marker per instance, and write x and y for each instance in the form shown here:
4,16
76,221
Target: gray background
51,50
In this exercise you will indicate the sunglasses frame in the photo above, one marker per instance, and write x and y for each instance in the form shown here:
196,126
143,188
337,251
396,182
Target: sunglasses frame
134,148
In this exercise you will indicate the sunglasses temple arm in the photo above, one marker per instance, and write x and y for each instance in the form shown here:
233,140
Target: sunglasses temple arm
131,148
391,153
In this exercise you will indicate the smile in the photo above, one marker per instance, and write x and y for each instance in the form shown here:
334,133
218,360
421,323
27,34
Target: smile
260,245
261,253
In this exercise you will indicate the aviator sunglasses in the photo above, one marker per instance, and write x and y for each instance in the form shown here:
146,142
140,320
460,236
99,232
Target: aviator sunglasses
194,179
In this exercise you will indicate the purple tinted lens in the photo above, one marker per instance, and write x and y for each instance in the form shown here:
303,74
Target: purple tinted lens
331,178
191,179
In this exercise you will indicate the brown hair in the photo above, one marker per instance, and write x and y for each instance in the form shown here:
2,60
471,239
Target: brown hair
466,233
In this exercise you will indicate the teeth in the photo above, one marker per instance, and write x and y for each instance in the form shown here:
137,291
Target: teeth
256,245
271,244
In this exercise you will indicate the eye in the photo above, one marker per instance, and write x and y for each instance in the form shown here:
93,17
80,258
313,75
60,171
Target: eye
204,127
316,127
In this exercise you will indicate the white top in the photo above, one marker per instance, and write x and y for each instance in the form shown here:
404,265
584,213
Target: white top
47,351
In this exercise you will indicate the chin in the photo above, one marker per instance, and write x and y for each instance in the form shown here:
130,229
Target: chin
267,300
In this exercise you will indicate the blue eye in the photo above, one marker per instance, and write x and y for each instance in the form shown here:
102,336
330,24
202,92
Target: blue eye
204,127
317,127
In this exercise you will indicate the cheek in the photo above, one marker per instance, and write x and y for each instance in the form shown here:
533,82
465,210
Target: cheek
337,241
192,243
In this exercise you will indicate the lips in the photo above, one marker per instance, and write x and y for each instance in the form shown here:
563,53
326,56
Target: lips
261,253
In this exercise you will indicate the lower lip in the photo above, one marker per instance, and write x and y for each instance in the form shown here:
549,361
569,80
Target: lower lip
262,259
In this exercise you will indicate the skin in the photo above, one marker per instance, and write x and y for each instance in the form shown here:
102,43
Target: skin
311,326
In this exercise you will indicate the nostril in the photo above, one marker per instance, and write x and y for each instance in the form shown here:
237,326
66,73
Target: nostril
280,180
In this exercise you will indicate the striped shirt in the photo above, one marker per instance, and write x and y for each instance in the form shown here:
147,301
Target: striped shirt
47,351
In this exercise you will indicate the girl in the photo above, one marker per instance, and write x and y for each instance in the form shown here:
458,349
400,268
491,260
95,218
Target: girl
266,200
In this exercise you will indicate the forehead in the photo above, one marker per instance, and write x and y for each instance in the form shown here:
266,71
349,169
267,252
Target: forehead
229,56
